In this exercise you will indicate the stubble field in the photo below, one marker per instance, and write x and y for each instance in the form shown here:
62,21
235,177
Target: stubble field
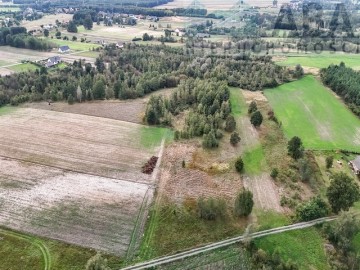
75,178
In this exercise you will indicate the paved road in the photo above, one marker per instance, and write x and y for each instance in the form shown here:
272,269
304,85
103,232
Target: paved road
224,243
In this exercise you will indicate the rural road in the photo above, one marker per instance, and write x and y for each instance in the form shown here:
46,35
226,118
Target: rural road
224,243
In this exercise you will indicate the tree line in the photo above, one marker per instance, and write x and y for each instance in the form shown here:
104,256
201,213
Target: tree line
344,82
18,37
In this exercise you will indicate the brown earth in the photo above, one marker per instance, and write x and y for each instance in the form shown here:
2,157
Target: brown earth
85,210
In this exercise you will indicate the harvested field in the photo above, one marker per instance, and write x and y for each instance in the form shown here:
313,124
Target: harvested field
76,178
84,144
129,110
178,183
81,209
48,19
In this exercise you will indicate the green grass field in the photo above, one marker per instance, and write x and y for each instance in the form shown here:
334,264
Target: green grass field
152,136
310,111
303,247
322,60
254,161
237,102
24,67
74,45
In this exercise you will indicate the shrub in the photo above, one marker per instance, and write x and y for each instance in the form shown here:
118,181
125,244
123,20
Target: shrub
70,99
211,208
329,162
252,107
230,123
235,138
244,203
256,119
239,165
274,173
313,209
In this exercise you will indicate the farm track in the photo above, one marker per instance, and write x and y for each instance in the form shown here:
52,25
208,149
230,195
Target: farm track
43,248
225,243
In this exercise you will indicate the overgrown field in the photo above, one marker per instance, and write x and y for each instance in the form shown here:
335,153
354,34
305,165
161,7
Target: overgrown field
308,110
74,178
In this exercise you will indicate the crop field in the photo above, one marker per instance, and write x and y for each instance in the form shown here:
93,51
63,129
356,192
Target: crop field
321,60
48,19
74,178
310,111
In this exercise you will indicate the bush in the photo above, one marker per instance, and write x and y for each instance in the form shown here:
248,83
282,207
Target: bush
244,203
274,173
210,140
239,165
329,162
313,209
230,123
256,119
235,138
211,208
252,107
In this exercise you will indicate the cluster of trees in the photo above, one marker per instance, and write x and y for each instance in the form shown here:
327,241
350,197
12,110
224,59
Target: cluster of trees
207,103
256,117
345,82
17,36
211,209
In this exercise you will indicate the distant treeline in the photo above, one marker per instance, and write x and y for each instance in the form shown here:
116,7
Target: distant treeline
18,37
136,71
345,82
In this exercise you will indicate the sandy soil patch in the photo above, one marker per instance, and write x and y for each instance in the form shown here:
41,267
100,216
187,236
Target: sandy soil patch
80,143
253,95
266,193
85,210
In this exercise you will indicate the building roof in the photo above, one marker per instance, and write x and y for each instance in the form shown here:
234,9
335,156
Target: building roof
52,61
356,162
64,48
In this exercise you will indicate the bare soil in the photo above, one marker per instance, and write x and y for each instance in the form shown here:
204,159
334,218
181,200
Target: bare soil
253,95
85,210
124,110
83,144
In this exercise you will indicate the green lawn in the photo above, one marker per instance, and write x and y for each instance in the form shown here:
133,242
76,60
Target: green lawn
254,161
322,60
92,54
6,109
24,67
74,45
308,110
303,247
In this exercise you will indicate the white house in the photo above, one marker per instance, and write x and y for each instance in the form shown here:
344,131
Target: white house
64,49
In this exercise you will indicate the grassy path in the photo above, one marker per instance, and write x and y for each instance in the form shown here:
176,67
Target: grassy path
43,248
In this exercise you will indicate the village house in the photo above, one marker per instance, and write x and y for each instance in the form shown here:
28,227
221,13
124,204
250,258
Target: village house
64,49
52,61
355,165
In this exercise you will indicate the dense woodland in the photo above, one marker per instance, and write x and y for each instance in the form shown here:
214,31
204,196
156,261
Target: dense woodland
136,71
345,82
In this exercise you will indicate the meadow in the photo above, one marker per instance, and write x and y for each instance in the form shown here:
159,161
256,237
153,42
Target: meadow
23,67
308,110
321,60
303,247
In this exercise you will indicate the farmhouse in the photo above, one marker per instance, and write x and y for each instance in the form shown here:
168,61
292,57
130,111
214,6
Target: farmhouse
64,49
120,44
52,61
355,165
